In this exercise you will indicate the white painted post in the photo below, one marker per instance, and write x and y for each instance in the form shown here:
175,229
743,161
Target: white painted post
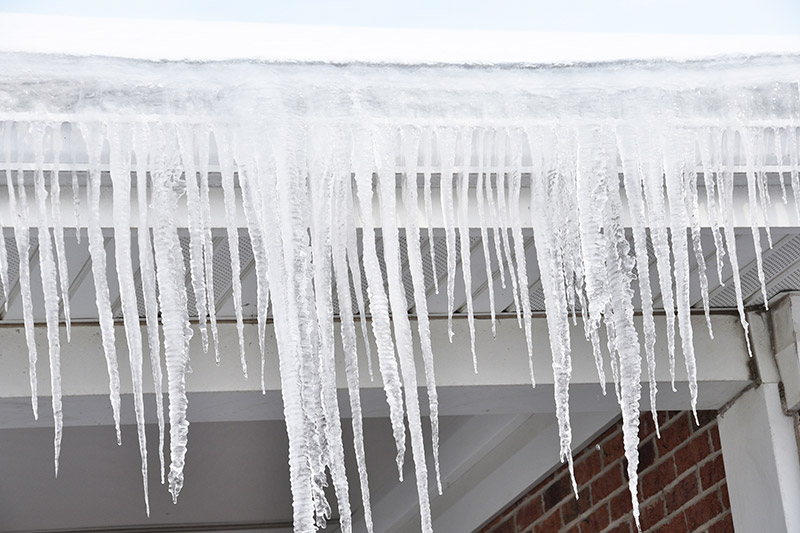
759,450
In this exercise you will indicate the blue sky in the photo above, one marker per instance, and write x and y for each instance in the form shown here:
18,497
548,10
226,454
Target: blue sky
763,17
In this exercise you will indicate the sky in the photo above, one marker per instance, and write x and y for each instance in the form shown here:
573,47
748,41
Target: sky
720,17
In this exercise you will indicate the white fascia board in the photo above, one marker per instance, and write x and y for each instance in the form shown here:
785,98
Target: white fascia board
177,40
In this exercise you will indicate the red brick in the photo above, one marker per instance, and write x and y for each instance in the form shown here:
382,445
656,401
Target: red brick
654,481
559,489
647,455
624,527
712,472
571,509
613,449
652,513
692,453
507,526
724,525
549,524
703,511
596,521
675,434
588,467
607,483
676,525
646,426
530,511
620,504
683,491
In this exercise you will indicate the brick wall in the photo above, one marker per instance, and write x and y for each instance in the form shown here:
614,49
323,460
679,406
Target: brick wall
681,484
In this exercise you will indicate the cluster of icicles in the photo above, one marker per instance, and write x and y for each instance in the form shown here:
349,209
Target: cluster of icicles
305,191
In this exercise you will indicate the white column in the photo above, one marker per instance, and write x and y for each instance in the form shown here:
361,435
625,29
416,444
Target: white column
759,443
759,450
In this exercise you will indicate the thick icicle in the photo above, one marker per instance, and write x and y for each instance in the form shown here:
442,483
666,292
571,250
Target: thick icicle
632,174
363,168
147,275
120,143
339,235
322,206
47,270
171,277
19,214
402,328
544,219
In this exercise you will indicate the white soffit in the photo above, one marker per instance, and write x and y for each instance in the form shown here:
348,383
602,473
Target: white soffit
218,41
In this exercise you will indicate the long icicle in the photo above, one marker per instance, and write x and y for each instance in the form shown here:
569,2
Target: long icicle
48,272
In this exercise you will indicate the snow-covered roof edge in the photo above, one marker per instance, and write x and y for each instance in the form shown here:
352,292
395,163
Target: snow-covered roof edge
175,40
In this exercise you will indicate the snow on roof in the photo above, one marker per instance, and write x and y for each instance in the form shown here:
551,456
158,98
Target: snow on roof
217,41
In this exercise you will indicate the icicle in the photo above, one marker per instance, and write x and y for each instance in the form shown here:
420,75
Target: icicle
709,182
503,218
378,304
226,168
353,260
632,175
724,142
47,270
620,274
399,305
426,149
19,214
6,128
494,217
250,164
446,146
148,278
778,147
676,194
657,221
208,243
94,138
339,235
120,142
58,226
410,202
692,206
747,144
171,277
463,233
519,249
592,194
322,195
480,195
196,233
543,219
